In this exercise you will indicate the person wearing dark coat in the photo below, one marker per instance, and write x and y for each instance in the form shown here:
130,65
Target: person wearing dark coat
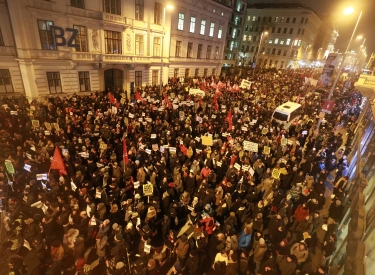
192,263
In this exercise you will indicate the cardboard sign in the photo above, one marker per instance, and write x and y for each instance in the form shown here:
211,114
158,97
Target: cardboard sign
290,142
276,173
27,167
264,131
155,147
244,129
284,141
114,110
56,126
148,189
41,177
48,126
148,151
266,150
35,123
304,132
9,166
250,146
172,150
207,140
237,166
219,163
131,115
103,146
74,187
137,184
153,135
245,84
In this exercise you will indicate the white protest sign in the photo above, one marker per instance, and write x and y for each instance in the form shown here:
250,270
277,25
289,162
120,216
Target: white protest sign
245,84
237,166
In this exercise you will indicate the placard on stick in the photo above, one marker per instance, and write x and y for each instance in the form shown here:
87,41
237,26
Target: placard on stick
207,140
148,189
266,150
276,173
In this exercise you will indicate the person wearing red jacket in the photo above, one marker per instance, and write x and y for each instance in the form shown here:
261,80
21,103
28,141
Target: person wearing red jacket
205,171
300,214
209,223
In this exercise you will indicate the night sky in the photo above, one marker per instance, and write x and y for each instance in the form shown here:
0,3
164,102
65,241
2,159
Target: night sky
345,23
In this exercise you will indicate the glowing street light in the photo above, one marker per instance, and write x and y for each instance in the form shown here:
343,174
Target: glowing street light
349,10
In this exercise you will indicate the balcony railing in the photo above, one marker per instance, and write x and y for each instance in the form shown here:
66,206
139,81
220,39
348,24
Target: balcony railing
194,60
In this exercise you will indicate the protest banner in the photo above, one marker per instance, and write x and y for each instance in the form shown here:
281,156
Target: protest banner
276,173
266,150
207,140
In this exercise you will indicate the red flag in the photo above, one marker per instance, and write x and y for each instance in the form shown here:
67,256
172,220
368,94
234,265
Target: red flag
215,103
166,101
111,98
57,162
200,101
229,120
125,153
203,87
298,98
139,97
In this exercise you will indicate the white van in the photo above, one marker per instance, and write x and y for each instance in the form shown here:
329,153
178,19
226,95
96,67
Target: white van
287,112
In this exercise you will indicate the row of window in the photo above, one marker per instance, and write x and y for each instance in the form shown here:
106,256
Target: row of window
202,28
176,73
277,19
189,52
113,40
273,30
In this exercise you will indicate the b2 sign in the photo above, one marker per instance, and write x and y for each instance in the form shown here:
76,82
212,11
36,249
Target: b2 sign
59,36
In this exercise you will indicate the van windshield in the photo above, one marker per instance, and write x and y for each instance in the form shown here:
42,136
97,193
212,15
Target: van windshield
280,116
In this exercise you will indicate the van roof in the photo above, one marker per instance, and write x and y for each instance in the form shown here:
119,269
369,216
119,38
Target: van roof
288,107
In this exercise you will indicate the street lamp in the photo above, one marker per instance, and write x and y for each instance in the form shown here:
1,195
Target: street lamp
169,7
259,48
348,10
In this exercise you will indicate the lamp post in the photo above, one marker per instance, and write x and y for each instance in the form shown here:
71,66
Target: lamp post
348,10
361,49
257,54
169,7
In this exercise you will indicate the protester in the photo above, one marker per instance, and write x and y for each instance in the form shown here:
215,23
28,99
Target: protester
172,180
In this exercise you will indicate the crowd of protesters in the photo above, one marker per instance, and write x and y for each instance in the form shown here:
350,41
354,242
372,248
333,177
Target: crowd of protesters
214,209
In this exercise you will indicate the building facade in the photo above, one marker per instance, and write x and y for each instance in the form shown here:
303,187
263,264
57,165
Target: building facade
234,31
68,46
198,30
283,35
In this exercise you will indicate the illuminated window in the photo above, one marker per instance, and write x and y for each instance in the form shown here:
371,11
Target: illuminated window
46,34
234,33
276,41
288,41
254,19
276,19
181,18
270,41
244,37
249,38
212,28
282,41
231,45
220,32
203,27
192,24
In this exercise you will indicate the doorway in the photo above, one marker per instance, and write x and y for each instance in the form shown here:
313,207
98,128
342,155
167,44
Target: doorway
113,79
